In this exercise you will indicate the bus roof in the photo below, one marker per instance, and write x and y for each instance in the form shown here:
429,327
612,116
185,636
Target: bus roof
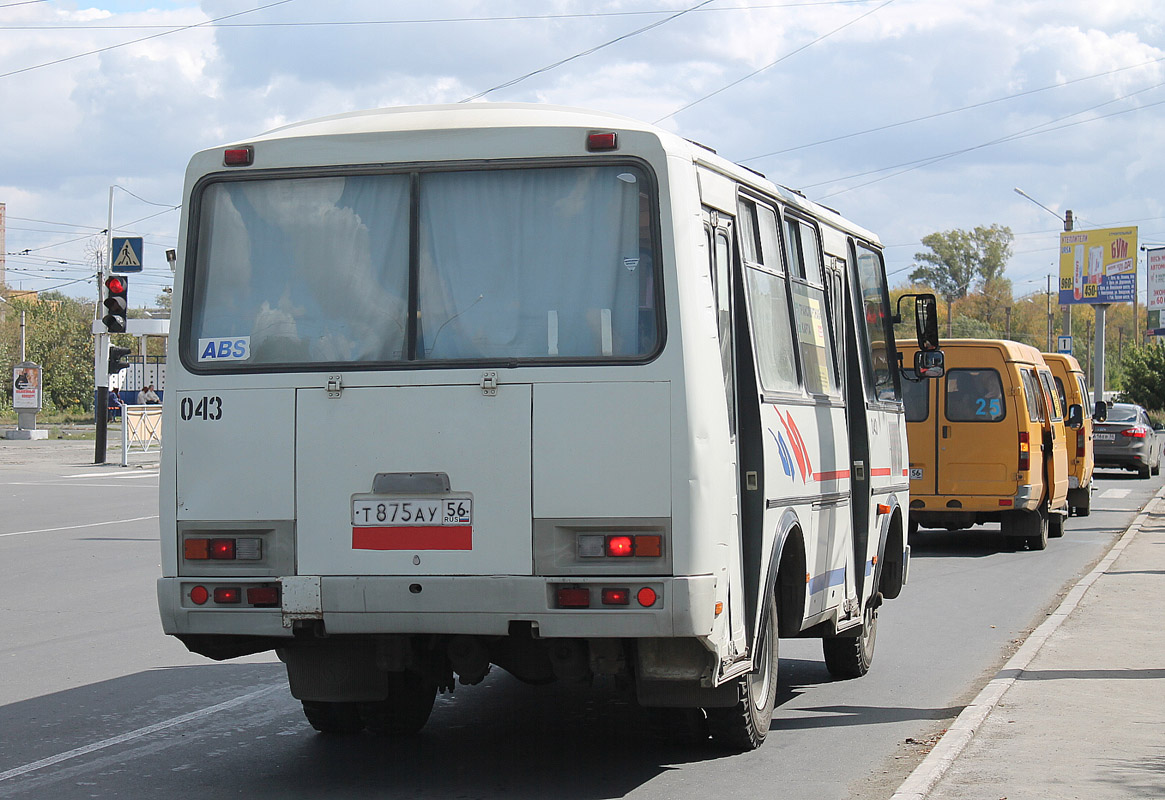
1072,364
467,116
1012,351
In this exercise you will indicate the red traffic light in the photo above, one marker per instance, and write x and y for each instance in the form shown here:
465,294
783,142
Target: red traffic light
116,303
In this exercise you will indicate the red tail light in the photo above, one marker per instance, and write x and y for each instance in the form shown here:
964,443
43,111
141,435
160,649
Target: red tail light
1025,451
574,598
1136,432
238,156
228,594
1080,440
602,141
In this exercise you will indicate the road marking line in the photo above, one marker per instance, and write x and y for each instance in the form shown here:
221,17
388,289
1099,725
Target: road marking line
1115,494
140,732
137,474
76,527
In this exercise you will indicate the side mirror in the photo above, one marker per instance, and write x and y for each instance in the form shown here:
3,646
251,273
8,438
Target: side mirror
1075,416
1101,412
930,364
925,319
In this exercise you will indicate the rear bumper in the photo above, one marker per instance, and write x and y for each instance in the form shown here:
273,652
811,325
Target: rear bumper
1129,459
483,605
931,505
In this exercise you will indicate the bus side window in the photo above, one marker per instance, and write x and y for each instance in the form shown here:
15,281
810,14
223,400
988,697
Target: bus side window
915,396
810,310
768,299
873,302
1035,396
1089,410
719,254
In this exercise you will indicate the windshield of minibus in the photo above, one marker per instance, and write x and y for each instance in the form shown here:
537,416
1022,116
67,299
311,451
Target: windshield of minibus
500,264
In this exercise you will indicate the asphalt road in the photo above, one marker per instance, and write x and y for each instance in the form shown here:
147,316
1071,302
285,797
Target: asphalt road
96,702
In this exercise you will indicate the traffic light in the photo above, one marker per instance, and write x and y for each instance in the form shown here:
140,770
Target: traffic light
117,359
115,303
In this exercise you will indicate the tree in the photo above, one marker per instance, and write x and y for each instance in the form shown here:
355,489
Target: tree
957,259
1143,371
58,336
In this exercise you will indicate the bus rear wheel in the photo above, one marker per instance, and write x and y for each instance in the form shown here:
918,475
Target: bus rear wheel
744,725
336,718
406,709
1027,528
850,656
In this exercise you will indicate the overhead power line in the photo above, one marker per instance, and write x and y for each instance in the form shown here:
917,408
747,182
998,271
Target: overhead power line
587,52
949,111
774,63
142,39
1026,133
430,20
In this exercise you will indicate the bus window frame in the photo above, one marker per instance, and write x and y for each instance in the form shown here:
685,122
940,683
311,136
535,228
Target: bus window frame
820,282
780,271
866,352
414,170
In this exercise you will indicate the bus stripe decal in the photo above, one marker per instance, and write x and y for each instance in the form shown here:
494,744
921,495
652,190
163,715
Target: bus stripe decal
421,537
831,476
798,448
820,583
879,472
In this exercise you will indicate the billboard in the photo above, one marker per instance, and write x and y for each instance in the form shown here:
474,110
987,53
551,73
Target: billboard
1098,266
1155,261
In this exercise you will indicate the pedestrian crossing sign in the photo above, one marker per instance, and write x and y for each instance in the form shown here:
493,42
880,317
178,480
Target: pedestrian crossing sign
127,254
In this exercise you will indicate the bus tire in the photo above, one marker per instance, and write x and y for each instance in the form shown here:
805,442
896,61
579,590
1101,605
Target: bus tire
849,657
744,725
406,709
1056,525
1027,528
1081,501
333,718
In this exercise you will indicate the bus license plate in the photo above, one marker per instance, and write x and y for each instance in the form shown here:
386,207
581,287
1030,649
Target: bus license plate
411,511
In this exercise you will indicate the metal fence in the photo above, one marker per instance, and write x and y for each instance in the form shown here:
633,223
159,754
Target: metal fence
141,428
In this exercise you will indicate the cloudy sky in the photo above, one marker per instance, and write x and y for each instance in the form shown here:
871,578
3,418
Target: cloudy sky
908,116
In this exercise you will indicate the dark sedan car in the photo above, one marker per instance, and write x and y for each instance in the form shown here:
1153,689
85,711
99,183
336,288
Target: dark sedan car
1127,440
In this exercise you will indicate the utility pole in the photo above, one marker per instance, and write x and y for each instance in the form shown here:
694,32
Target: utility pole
1049,348
1066,321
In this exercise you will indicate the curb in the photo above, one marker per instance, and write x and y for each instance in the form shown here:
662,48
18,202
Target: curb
922,780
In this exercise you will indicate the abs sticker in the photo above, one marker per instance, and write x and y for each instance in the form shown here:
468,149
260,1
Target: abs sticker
235,348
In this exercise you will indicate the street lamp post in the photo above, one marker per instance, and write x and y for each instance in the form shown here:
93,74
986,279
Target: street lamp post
1068,221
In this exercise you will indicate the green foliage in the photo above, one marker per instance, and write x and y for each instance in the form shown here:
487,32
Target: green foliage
1143,378
58,336
958,258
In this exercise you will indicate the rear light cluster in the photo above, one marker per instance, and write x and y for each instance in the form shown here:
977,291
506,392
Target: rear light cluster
255,596
582,596
1136,432
1025,451
226,549
1080,441
597,545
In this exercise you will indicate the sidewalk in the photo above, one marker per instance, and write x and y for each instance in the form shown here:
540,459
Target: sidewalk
1079,711
73,452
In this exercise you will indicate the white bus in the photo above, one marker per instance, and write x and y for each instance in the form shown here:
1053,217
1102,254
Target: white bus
524,386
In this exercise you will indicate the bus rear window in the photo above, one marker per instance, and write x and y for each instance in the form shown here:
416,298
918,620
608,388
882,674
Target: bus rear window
974,395
483,265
